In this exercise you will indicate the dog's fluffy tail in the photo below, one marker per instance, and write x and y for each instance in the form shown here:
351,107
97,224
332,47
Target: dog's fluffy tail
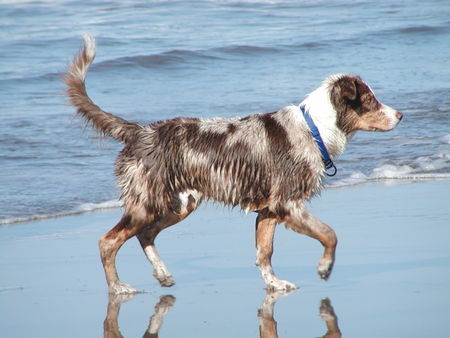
102,121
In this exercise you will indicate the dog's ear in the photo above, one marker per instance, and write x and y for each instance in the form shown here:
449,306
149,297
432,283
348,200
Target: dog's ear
348,88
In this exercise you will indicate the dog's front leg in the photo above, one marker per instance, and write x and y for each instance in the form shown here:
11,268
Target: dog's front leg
303,222
265,230
147,240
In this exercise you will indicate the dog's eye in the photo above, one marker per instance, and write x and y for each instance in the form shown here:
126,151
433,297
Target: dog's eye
367,99
370,102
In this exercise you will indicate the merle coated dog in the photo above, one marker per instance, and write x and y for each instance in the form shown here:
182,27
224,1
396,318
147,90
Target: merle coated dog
267,163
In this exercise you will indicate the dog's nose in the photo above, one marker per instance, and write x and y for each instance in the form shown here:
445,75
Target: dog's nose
399,115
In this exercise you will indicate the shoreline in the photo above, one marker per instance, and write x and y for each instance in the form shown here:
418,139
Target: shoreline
117,204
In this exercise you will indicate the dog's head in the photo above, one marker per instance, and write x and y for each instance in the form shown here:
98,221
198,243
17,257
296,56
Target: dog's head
357,107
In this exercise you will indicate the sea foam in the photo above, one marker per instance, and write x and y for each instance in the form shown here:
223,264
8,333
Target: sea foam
81,209
422,168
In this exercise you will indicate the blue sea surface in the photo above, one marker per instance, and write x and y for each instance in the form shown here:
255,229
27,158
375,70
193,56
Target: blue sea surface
164,59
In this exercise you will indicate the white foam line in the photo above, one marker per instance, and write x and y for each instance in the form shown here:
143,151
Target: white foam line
405,178
82,209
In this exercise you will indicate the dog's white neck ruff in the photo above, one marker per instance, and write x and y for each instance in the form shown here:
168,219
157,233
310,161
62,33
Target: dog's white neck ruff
319,106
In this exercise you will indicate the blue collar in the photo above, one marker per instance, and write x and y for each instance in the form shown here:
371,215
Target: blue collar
328,163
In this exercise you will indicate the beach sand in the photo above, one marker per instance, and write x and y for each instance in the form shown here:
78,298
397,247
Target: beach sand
391,277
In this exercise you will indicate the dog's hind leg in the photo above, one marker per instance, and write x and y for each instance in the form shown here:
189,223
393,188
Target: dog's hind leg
110,244
303,222
265,230
147,238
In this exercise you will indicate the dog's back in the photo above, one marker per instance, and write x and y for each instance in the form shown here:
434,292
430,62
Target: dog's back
254,162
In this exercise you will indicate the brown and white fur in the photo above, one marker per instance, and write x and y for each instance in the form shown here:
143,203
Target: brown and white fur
266,163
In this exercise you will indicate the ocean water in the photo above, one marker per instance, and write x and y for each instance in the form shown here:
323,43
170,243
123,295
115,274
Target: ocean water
164,59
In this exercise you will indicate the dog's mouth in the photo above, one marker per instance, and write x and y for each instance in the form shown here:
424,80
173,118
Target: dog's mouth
385,127
386,120
372,128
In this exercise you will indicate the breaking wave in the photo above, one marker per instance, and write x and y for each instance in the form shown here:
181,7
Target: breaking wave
422,168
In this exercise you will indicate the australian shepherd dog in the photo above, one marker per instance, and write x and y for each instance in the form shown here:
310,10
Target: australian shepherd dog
266,163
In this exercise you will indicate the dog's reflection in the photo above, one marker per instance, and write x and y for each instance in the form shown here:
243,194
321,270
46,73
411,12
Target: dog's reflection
111,324
330,319
267,323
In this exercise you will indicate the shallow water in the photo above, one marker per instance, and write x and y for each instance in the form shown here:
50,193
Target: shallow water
163,59
390,279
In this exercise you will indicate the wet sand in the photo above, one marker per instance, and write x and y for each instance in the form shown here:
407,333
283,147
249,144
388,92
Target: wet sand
391,277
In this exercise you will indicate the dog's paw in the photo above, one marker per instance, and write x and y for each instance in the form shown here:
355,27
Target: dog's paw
166,280
119,299
272,296
121,288
324,268
280,285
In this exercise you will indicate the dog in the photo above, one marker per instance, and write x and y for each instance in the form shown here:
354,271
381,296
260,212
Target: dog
265,163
